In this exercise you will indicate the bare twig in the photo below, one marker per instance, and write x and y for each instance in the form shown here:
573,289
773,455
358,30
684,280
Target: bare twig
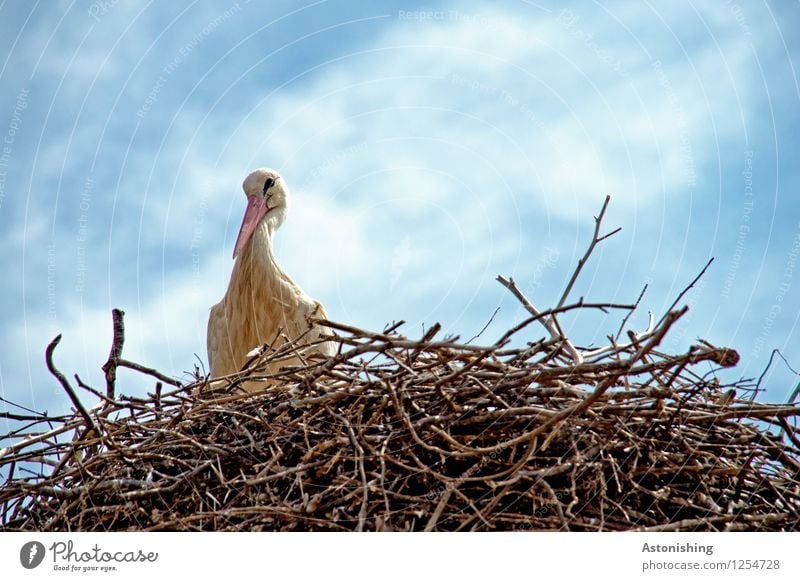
688,288
629,313
596,239
486,326
148,371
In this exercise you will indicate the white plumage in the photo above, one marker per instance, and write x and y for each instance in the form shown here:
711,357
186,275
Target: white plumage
262,301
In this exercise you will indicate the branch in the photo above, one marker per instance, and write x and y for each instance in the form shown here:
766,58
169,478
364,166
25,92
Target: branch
115,359
149,371
548,322
65,384
110,366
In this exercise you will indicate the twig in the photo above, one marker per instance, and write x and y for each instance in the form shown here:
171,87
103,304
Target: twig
93,391
486,326
793,396
596,239
687,289
629,313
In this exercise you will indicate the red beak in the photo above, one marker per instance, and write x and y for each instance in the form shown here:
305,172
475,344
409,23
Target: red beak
257,208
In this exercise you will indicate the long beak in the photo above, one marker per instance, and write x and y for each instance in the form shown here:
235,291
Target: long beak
257,208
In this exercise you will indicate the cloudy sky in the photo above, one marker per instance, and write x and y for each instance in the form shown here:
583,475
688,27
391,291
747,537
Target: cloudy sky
428,147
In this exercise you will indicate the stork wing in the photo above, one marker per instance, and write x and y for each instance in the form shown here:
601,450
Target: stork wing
328,348
216,337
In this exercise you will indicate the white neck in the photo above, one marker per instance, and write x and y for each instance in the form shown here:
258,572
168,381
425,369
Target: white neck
257,268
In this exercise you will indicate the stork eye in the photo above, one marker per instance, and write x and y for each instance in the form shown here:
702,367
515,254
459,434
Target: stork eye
268,184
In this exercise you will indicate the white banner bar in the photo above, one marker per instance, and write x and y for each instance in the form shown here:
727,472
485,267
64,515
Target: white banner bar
407,556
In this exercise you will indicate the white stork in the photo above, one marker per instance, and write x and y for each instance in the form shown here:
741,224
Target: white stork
262,301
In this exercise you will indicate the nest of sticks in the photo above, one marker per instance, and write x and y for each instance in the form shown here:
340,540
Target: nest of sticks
401,434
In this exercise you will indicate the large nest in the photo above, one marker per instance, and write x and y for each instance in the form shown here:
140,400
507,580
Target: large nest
419,434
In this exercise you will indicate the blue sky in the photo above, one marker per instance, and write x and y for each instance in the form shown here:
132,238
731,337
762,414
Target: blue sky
428,147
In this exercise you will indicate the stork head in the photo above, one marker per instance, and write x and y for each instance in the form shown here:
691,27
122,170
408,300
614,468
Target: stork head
267,200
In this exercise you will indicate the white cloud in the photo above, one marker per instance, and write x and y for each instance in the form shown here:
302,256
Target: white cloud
506,96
